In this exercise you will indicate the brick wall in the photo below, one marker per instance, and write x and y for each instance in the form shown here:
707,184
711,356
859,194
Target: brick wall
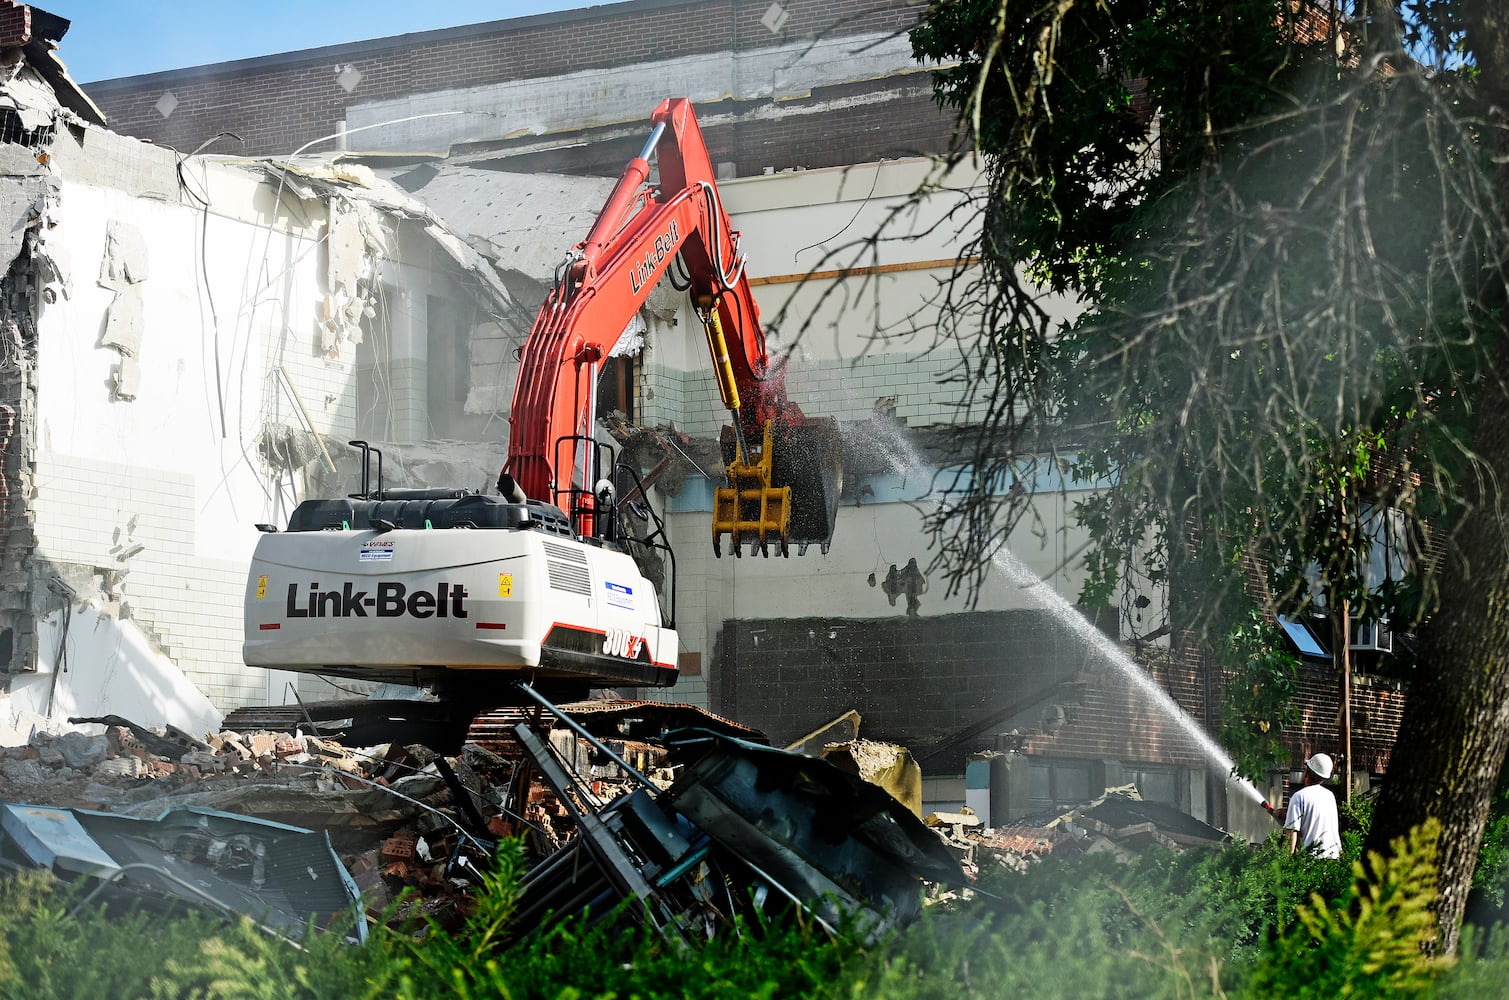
920,681
18,444
1107,717
278,103
15,23
1377,708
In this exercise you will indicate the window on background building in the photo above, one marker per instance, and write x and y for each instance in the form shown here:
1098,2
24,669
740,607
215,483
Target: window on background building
1155,782
615,387
1388,559
1058,784
1388,555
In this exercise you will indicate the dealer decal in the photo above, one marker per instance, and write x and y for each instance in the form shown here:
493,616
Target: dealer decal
619,595
376,550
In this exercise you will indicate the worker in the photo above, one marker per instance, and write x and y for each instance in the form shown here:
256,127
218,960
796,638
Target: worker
1312,824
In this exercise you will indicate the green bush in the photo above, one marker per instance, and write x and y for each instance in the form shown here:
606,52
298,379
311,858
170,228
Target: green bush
1232,922
1374,942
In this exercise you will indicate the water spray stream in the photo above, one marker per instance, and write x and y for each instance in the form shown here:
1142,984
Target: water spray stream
1020,574
905,457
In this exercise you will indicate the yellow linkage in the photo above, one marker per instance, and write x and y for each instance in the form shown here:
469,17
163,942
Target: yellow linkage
749,508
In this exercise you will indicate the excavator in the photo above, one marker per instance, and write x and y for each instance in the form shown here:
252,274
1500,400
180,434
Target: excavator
469,593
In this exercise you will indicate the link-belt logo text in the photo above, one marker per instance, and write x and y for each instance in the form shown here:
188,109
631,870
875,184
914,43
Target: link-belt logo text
653,256
389,599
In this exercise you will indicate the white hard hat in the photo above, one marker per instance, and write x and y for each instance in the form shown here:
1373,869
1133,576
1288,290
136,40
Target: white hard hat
1320,766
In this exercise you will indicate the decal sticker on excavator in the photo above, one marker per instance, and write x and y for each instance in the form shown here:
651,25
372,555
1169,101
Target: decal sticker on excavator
261,586
665,246
387,599
622,642
619,595
619,643
505,584
376,551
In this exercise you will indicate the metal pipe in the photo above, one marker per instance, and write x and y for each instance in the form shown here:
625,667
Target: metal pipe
652,141
366,450
298,403
576,727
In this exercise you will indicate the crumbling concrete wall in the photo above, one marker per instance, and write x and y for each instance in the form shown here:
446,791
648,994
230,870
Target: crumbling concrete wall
28,195
175,308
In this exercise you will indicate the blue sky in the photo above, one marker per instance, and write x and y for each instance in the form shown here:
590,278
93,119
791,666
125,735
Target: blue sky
127,37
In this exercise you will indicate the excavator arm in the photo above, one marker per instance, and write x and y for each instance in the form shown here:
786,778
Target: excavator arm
784,469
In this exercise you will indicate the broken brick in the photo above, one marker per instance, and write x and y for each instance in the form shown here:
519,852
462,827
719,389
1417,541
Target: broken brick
400,845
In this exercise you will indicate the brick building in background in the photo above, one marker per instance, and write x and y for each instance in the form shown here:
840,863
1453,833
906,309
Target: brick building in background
803,84
817,118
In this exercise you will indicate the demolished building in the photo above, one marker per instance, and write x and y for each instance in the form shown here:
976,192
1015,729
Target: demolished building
203,320
183,337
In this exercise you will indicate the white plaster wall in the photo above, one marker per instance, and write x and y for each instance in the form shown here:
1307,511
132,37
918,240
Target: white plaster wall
92,665
175,470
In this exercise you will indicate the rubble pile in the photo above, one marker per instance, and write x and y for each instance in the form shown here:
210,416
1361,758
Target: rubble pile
1120,822
687,815
615,801
390,812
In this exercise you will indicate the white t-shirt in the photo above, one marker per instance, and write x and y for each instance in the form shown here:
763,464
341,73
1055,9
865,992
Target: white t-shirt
1312,811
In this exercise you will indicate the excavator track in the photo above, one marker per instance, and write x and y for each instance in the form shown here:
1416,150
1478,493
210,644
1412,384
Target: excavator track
623,720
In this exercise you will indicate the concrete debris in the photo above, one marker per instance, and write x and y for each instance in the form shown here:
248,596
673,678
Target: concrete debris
351,185
884,764
125,260
355,238
123,269
283,877
1119,822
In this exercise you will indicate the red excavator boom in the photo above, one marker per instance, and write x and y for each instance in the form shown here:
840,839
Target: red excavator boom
784,468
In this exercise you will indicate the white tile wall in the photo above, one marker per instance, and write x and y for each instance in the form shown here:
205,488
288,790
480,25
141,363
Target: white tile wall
84,509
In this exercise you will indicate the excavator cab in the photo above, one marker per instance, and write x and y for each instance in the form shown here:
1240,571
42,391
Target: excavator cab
785,494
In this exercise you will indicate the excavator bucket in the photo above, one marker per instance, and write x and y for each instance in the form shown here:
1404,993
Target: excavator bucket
786,495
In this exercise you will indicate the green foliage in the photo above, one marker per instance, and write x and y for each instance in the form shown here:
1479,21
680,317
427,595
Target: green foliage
1234,921
56,945
1259,707
244,962
1481,968
1490,880
466,963
1048,92
1277,325
1375,941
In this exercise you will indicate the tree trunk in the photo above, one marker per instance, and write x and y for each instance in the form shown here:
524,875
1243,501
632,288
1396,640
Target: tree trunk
1456,726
